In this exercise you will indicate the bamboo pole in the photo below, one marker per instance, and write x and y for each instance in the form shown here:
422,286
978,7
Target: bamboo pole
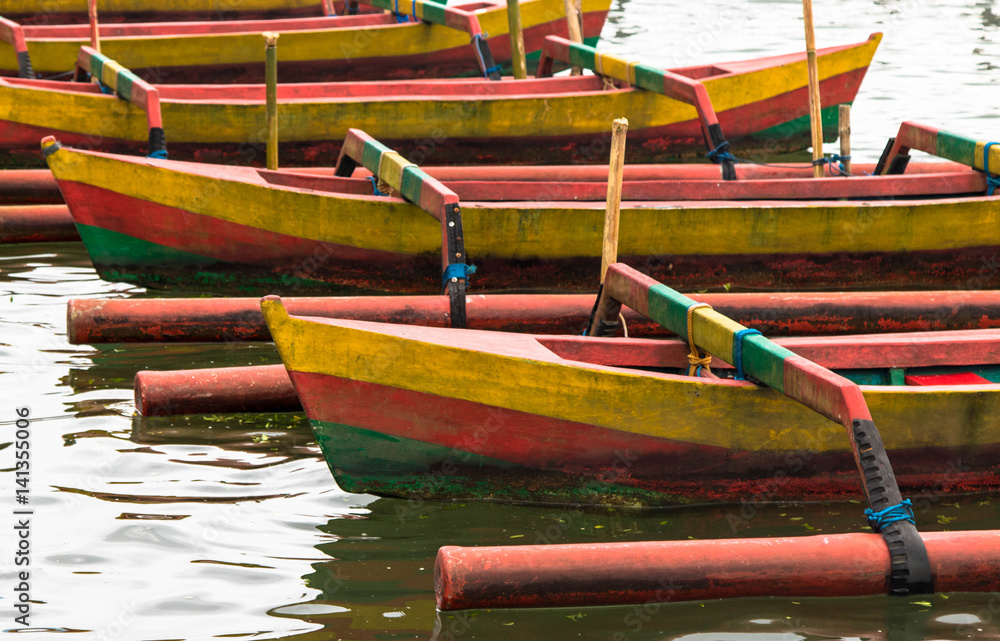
616,170
845,136
271,80
516,40
575,31
95,39
815,117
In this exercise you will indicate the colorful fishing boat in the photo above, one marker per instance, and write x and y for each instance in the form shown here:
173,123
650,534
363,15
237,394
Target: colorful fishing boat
761,104
44,12
167,224
417,38
435,413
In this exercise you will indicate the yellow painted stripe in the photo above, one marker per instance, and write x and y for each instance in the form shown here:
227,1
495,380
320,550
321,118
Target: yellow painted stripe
563,230
410,117
994,159
390,168
135,6
52,55
743,418
98,116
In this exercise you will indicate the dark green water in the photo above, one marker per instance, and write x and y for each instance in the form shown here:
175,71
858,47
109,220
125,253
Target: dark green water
232,527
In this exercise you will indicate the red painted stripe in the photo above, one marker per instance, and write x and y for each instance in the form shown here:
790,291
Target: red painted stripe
506,435
206,236
965,378
820,389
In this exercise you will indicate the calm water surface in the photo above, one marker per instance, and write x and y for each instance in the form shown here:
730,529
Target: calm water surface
232,527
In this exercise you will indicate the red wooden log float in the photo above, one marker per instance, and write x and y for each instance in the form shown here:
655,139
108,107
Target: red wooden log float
94,321
218,390
36,224
658,572
29,187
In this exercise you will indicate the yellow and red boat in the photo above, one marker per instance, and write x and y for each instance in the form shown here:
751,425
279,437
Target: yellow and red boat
44,12
169,224
437,413
761,104
416,38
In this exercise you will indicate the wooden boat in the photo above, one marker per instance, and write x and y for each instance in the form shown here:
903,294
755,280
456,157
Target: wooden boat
435,413
422,38
761,104
161,223
43,12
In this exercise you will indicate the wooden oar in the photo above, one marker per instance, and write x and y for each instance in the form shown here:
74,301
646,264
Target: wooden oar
816,387
517,60
271,96
661,81
574,30
467,21
815,108
127,86
416,186
95,38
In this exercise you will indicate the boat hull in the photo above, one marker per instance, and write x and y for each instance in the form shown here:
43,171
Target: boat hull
421,413
167,224
331,49
762,107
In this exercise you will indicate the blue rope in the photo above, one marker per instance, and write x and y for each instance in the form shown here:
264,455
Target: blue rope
353,10
721,154
456,270
399,17
492,69
159,153
106,89
888,516
738,351
833,158
375,186
413,10
992,181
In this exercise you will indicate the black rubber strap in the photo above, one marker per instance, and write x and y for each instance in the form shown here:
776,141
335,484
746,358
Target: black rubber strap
489,65
51,149
24,65
910,571
157,140
455,249
345,166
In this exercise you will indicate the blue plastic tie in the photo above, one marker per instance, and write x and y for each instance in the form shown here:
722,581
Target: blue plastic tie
721,154
492,69
888,516
992,180
456,270
375,186
106,89
738,351
159,153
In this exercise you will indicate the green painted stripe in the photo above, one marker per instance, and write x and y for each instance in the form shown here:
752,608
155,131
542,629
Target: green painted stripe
433,12
364,461
97,65
581,56
649,78
958,149
765,361
371,156
123,87
830,117
110,247
412,183
669,308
